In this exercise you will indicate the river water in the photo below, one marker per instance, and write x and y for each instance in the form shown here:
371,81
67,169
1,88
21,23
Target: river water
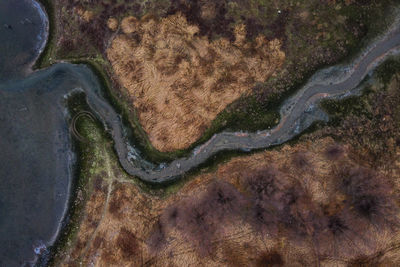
36,157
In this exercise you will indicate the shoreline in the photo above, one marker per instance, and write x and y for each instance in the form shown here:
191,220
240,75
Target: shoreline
46,30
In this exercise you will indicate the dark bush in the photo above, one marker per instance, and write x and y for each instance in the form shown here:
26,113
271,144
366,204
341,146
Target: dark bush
197,227
341,234
346,224
128,244
224,201
157,240
263,188
334,152
336,225
263,183
203,217
280,203
170,216
270,259
300,161
370,195
199,218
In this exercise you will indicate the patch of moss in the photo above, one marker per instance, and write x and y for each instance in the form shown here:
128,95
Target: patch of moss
354,105
386,70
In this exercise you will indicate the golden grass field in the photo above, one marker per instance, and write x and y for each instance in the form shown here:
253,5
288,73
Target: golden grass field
179,81
116,232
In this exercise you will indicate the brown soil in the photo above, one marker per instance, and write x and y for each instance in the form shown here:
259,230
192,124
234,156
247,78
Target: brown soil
179,81
133,217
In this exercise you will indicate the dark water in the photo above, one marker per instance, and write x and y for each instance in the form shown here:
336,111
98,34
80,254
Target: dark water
35,156
22,36
34,170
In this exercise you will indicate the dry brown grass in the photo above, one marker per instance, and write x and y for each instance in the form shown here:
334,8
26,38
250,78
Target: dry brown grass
85,15
112,24
93,210
122,235
179,81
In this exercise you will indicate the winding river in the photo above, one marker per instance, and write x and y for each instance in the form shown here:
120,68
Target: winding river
297,114
36,159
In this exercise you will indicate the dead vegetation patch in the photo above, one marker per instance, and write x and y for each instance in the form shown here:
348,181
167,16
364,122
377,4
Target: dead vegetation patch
257,210
343,210
85,15
112,24
270,258
118,202
128,244
93,209
179,81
